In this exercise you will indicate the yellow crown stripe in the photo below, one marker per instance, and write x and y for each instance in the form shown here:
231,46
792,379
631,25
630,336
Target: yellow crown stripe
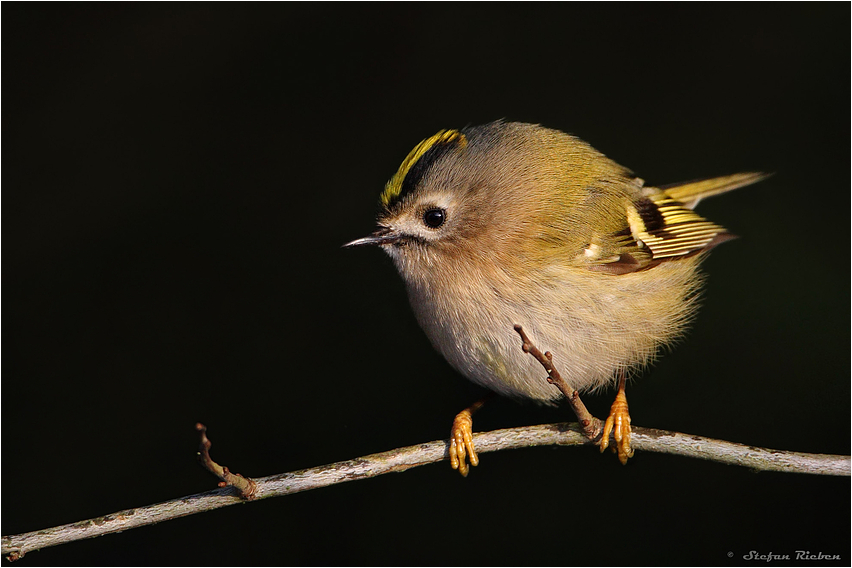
394,187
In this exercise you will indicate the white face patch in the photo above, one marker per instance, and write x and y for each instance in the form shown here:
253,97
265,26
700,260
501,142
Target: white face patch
592,251
442,200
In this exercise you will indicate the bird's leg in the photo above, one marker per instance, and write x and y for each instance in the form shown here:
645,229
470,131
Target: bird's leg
461,439
618,423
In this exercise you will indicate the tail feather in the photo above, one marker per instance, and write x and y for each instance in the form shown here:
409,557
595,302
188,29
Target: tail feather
691,192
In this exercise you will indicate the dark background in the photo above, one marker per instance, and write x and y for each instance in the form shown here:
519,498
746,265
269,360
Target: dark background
178,180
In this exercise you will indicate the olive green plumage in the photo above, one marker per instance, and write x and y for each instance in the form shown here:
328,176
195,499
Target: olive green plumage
511,223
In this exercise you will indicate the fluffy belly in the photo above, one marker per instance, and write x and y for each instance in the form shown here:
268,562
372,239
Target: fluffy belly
591,337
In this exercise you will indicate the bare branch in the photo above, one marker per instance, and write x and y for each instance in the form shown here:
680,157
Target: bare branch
563,434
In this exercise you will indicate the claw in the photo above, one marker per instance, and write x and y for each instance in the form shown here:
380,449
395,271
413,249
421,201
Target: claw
618,424
461,442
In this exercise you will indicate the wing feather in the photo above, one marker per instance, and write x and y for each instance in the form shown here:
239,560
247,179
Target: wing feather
660,225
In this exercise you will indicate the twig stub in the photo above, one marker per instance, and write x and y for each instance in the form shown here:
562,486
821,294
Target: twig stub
591,426
246,487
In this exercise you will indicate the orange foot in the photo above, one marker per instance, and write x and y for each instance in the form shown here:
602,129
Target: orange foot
461,440
618,423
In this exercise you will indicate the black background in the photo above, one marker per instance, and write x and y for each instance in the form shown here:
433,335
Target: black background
178,180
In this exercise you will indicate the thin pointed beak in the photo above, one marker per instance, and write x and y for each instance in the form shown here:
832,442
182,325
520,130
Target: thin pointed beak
382,236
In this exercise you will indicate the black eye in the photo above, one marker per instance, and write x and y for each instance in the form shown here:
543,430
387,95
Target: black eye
434,218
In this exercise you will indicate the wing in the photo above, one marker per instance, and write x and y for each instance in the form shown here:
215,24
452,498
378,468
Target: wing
659,227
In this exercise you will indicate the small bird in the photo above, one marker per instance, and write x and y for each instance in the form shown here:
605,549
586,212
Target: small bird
510,224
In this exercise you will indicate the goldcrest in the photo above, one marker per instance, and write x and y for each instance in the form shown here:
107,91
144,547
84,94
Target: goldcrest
510,223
